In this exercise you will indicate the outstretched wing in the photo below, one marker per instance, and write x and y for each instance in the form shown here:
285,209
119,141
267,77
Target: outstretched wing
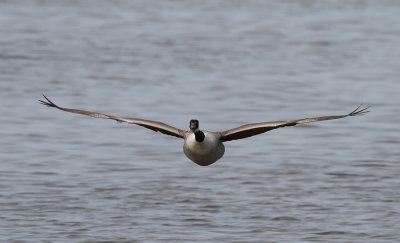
153,125
258,128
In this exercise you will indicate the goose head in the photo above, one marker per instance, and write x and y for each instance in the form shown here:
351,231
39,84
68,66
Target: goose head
194,127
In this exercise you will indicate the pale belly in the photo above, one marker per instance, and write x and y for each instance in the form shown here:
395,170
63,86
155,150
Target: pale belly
206,152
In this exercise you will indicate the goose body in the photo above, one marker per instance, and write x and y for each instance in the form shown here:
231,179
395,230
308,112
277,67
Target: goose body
205,147
206,152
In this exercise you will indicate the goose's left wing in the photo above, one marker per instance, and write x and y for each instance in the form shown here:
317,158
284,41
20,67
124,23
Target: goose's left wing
153,125
258,128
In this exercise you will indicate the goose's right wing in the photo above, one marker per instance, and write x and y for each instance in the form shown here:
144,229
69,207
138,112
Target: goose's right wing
258,128
153,125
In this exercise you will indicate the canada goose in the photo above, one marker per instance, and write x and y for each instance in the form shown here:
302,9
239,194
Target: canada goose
204,147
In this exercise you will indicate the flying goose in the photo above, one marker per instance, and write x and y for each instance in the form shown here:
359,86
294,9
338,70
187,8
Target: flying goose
205,147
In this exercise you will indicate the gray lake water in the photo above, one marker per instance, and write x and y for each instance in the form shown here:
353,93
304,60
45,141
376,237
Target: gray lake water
70,178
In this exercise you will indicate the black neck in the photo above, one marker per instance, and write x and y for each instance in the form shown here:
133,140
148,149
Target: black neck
199,135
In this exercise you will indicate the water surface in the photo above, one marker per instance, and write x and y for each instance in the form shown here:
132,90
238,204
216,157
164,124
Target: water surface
68,178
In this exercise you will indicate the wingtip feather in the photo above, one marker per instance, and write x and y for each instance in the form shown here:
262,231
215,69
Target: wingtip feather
360,110
47,102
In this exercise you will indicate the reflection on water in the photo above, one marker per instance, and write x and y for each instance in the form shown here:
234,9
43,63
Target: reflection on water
68,178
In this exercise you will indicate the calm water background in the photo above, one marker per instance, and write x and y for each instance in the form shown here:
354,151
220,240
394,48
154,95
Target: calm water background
69,178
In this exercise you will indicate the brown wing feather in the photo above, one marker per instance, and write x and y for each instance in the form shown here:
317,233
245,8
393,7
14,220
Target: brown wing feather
258,128
153,125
